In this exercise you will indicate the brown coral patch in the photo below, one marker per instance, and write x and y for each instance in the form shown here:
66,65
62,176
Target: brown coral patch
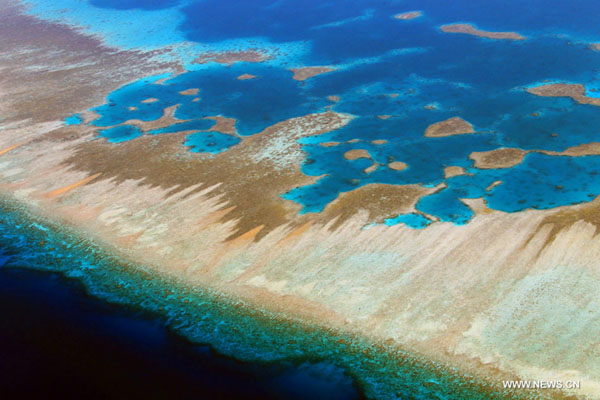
304,73
451,126
355,154
245,77
499,158
451,171
381,201
471,30
586,149
223,125
189,92
574,91
246,177
397,165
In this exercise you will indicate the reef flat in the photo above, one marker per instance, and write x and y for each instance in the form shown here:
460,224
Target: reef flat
431,253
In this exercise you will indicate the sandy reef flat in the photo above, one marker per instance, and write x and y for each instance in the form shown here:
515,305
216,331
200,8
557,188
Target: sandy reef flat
481,298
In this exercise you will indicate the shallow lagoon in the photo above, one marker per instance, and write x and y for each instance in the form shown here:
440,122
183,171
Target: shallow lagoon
407,70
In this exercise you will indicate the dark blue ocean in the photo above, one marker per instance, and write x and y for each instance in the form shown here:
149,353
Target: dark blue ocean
64,336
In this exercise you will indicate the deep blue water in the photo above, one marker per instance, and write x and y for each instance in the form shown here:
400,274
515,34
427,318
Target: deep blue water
396,68
59,340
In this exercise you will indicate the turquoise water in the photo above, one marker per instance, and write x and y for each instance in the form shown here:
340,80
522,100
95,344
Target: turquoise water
315,363
413,220
74,119
121,133
396,68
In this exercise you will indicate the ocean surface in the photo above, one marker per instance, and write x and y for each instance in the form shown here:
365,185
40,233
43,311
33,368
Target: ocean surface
410,71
